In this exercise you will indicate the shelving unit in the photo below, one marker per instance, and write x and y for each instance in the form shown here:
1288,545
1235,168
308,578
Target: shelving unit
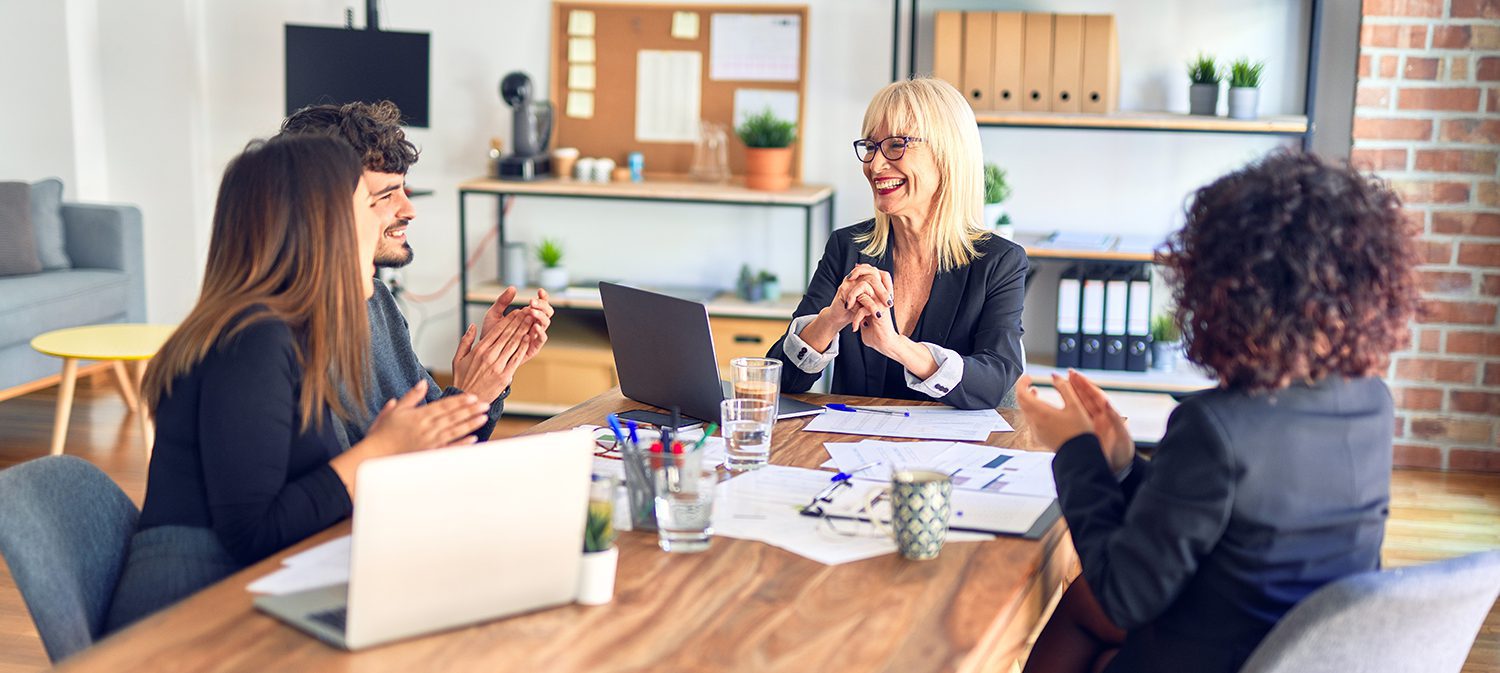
577,362
1282,125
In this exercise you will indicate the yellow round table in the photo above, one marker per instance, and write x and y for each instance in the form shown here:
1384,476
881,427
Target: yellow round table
117,343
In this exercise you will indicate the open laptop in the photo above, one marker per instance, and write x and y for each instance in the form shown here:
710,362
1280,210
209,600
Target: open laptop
664,354
451,537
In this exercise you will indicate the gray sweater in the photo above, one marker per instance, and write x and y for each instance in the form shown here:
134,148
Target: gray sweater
395,369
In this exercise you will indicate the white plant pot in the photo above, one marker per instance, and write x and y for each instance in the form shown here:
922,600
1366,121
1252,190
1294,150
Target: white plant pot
1244,102
992,214
596,576
553,278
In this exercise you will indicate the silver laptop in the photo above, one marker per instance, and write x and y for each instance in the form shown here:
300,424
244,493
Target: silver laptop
451,537
664,354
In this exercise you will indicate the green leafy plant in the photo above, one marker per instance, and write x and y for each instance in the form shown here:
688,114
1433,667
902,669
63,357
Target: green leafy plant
549,252
1204,70
766,130
766,277
996,189
1164,329
1245,75
599,532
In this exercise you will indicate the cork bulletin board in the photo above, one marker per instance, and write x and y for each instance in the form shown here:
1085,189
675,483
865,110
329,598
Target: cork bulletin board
614,35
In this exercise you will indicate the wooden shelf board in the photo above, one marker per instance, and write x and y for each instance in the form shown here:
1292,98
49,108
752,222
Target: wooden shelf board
724,305
656,187
1035,249
1147,121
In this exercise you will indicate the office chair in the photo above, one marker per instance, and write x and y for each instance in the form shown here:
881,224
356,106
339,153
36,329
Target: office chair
65,530
1421,619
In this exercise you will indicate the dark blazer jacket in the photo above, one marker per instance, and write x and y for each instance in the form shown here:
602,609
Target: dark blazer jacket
974,310
1251,503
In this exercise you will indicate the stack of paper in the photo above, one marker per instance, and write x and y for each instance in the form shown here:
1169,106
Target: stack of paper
765,505
324,565
974,467
957,425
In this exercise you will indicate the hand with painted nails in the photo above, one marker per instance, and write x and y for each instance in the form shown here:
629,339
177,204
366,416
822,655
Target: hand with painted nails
863,281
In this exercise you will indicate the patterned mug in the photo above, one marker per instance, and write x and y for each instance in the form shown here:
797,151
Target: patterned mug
921,502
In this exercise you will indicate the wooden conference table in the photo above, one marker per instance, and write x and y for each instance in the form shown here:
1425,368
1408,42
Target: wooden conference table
741,606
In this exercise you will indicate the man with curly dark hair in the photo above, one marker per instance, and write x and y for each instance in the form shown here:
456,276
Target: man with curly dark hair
486,360
1294,281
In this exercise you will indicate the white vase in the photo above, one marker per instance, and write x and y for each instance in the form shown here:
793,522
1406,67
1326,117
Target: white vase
553,278
992,214
1243,102
596,576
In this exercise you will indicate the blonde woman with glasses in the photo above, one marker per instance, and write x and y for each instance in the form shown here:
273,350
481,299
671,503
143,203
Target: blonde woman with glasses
921,302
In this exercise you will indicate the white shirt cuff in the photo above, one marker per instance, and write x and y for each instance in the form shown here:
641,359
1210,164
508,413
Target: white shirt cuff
1124,474
804,356
950,371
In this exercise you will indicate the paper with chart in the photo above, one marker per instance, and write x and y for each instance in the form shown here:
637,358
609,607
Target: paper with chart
973,467
765,506
755,47
324,565
959,425
973,511
668,100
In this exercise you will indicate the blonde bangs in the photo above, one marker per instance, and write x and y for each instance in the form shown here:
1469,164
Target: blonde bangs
933,110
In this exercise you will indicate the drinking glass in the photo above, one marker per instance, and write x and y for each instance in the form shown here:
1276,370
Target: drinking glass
685,503
746,428
756,379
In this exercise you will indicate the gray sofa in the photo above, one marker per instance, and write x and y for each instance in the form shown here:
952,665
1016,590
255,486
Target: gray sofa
107,283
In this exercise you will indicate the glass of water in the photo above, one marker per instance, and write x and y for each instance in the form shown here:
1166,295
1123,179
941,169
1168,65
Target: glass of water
747,432
685,504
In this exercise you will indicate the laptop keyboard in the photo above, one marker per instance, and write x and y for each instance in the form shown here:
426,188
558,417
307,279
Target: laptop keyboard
333,618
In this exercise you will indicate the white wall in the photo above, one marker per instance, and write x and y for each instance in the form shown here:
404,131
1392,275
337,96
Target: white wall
159,94
36,130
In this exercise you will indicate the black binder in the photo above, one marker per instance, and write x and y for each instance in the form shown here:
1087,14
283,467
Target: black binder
1069,302
1091,321
1116,301
1138,322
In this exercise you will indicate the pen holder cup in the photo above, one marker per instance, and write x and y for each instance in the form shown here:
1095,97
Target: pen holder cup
640,490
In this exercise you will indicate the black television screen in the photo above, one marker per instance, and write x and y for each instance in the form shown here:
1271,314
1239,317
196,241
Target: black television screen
341,65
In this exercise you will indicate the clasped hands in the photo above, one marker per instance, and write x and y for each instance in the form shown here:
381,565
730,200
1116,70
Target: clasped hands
863,303
486,361
1085,409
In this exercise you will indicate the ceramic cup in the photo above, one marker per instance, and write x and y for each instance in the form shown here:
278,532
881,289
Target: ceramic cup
921,503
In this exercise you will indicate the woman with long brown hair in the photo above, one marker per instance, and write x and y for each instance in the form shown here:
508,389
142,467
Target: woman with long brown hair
245,392
1294,281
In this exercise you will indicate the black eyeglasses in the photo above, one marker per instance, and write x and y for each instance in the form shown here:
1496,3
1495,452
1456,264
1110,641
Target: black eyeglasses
893,147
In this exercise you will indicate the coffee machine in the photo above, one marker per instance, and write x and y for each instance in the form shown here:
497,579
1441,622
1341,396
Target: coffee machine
531,131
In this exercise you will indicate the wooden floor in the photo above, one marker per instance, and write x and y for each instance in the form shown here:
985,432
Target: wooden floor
1434,515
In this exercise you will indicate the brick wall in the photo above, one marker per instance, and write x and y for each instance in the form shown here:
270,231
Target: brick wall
1427,118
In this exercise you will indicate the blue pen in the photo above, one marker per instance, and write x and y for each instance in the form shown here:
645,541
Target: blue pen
634,441
845,407
845,476
614,425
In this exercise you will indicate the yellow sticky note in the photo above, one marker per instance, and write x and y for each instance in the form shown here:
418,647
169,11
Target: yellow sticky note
581,76
581,23
581,104
581,50
685,25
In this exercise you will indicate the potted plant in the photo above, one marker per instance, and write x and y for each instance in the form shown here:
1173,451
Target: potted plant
768,153
996,191
747,286
770,286
1244,88
596,581
553,276
1166,343
1203,95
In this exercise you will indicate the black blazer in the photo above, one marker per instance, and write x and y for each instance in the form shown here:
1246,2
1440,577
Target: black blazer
974,310
1251,503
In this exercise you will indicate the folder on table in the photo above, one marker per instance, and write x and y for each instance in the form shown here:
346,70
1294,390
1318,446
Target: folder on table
1091,322
979,28
1116,301
1009,55
1036,67
1099,91
1067,62
1138,322
1069,302
948,48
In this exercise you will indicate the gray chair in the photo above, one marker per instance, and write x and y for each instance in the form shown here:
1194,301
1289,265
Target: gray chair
65,530
1421,619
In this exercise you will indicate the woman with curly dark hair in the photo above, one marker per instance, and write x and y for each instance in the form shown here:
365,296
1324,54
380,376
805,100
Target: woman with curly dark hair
1294,281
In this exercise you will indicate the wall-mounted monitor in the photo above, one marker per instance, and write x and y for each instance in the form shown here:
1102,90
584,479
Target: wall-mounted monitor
341,65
